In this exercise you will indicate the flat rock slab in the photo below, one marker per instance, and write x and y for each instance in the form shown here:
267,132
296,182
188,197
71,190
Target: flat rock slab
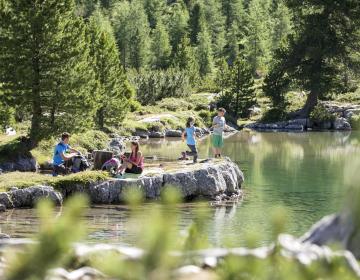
212,179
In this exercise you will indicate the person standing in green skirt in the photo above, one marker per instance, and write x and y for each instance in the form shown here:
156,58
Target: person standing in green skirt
218,126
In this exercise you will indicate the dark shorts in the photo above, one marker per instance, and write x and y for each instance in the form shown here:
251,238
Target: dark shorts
134,170
60,170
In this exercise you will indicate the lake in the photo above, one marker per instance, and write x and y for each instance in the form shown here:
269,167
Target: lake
305,173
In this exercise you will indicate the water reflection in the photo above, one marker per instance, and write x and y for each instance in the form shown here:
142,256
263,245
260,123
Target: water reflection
305,172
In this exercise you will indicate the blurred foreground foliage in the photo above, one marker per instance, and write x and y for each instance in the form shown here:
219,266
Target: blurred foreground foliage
165,249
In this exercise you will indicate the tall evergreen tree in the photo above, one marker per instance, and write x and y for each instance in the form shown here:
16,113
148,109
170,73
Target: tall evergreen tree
154,10
234,12
281,26
185,59
161,48
258,39
177,24
132,32
197,22
240,94
45,66
326,36
114,92
216,24
205,53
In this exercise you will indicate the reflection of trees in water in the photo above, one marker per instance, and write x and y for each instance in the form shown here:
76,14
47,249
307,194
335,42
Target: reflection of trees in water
303,171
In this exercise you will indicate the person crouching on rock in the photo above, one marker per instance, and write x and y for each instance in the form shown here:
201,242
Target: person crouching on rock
135,162
190,133
62,155
112,165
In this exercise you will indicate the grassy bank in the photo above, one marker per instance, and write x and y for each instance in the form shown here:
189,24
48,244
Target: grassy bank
27,179
169,113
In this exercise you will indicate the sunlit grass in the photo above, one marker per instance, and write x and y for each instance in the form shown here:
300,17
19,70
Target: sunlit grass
27,179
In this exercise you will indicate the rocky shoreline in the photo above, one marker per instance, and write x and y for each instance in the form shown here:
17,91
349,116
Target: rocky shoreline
342,115
217,180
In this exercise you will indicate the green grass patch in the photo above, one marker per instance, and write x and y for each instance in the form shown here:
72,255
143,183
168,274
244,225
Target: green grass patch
27,179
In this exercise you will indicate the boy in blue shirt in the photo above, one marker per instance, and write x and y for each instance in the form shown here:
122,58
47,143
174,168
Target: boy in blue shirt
61,154
190,133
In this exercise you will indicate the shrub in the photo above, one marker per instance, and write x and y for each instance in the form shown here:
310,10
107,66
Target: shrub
355,122
274,115
6,116
173,104
152,86
321,114
135,106
206,117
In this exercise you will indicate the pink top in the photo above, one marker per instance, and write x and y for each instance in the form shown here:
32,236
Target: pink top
134,158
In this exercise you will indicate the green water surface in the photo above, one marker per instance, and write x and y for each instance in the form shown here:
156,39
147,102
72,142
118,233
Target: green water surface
306,173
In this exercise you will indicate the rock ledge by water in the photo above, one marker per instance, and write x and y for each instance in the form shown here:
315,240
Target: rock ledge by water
218,180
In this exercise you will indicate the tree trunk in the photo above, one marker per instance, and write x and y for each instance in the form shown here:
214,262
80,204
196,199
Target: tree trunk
35,129
100,117
310,103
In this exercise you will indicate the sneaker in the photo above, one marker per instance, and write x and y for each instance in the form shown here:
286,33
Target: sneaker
183,155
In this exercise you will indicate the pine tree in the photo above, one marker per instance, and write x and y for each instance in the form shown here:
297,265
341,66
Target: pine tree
45,66
154,10
161,48
216,24
114,91
205,53
177,24
132,33
326,37
240,94
281,23
259,26
197,22
236,25
185,59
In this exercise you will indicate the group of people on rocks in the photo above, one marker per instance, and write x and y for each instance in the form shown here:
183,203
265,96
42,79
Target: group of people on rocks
134,163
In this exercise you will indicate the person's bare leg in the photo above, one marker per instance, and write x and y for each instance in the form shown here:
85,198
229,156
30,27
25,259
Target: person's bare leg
215,150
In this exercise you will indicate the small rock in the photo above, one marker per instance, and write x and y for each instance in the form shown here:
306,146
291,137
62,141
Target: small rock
156,134
294,127
6,200
173,133
4,236
341,124
254,111
143,134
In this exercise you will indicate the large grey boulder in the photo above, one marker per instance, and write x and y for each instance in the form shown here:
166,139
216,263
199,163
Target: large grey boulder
117,145
28,197
21,163
206,180
211,179
339,228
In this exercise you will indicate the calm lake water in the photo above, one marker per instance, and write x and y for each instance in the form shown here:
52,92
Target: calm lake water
306,173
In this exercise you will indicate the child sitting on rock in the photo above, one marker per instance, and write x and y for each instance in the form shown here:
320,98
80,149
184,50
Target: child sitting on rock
190,133
135,162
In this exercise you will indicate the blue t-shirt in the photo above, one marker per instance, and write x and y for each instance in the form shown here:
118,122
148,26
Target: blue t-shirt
190,139
59,149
